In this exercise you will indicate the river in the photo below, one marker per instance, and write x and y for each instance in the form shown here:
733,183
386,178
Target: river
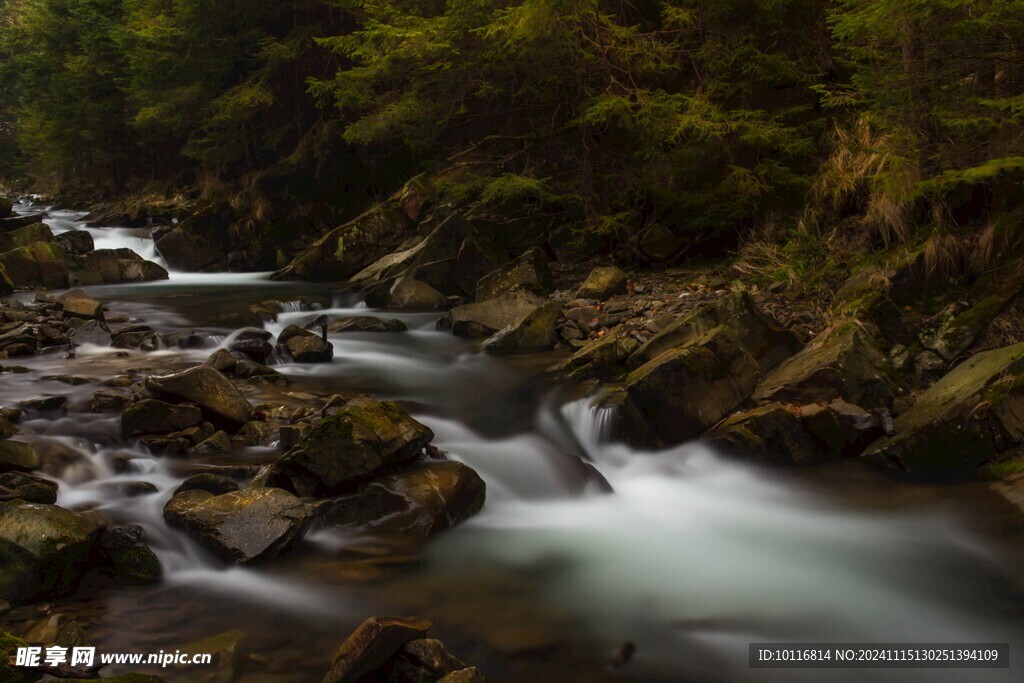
691,557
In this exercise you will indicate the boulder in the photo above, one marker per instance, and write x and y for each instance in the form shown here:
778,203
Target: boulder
603,283
199,242
842,362
468,675
241,526
137,269
426,499
44,549
221,360
964,420
685,391
7,428
659,244
370,647
124,556
150,416
77,304
366,323
409,294
218,442
363,440
535,332
258,433
530,272
601,359
765,339
93,332
6,207
75,242
778,433
15,455
484,318
25,237
349,248
304,346
15,222
221,402
27,487
258,350
9,673
135,337
109,401
38,265
425,659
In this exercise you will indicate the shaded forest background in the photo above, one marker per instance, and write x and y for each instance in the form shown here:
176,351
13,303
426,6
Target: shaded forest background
671,126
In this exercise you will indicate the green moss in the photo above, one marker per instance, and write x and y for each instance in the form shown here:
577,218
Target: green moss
9,645
1005,469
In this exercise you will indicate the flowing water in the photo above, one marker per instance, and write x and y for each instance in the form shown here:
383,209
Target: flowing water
583,544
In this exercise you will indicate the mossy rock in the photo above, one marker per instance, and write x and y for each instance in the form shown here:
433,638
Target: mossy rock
685,391
843,362
17,456
535,332
9,673
964,420
25,237
44,549
601,359
765,339
126,558
364,439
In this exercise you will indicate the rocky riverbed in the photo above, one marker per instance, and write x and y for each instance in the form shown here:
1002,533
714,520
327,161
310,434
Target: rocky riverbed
284,452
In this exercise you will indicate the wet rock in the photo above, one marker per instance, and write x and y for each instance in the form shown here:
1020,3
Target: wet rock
484,318
841,429
215,484
964,420
530,272
6,207
75,242
533,333
7,428
9,673
222,361
603,283
124,556
258,433
219,442
44,549
901,358
198,243
25,237
109,401
290,435
772,433
93,332
136,269
254,373
424,500
601,359
221,402
256,350
77,304
367,324
364,439
842,362
764,338
309,348
39,265
685,391
370,647
45,404
135,337
424,659
14,222
241,526
27,487
412,295
468,675
151,416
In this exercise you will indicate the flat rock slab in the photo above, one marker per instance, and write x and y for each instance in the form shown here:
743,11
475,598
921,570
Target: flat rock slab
241,526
